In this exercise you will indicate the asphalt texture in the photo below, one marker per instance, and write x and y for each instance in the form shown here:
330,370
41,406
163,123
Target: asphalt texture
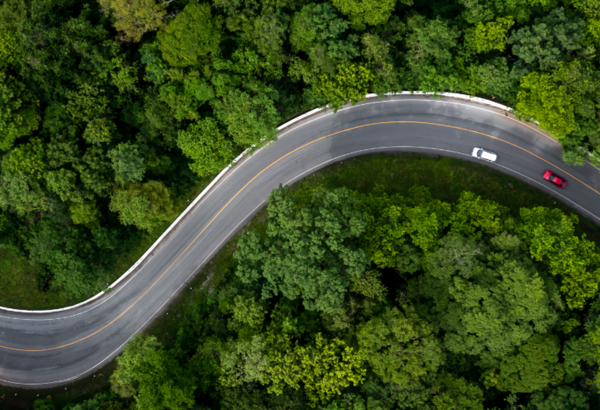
44,350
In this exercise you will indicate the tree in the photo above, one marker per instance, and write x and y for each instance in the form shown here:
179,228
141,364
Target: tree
400,346
23,193
430,42
559,398
147,206
324,368
127,162
27,158
84,213
205,144
152,376
95,170
550,236
319,31
18,111
456,394
362,12
369,285
485,311
554,99
350,84
192,35
493,35
135,17
534,368
473,216
185,94
549,40
243,361
249,119
309,252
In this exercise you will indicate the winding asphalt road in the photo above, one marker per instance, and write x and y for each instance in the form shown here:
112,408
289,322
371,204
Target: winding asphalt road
43,350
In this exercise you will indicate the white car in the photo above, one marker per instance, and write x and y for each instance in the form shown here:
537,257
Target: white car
480,153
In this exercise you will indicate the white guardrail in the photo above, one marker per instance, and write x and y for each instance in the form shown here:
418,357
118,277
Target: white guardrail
218,178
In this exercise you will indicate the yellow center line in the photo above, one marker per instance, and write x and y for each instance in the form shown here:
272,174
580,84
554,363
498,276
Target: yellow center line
256,176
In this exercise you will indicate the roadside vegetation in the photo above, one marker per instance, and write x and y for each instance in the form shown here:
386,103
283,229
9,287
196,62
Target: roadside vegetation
383,282
112,111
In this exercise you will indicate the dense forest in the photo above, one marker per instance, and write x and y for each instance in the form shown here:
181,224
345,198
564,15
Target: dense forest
342,300
111,111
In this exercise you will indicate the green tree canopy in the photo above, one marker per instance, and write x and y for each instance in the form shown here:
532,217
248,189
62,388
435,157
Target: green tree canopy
147,206
400,346
555,99
127,162
308,252
485,310
549,40
205,144
192,35
362,12
534,368
153,376
135,17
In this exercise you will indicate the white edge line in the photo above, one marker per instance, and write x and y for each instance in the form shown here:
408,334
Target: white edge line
219,176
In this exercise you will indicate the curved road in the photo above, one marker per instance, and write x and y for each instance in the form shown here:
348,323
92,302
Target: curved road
43,350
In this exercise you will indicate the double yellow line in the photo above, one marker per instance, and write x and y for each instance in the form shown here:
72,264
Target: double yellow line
260,173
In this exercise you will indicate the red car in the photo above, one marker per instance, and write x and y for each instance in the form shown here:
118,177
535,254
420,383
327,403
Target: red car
555,179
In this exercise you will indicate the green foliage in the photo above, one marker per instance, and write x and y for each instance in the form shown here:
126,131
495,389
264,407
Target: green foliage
324,369
186,95
554,99
147,206
400,347
18,111
249,119
135,17
560,398
534,368
549,40
155,67
308,252
363,12
243,361
22,193
550,236
430,42
84,213
27,158
318,30
485,310
127,162
205,144
492,35
153,376
457,393
369,285
350,84
192,35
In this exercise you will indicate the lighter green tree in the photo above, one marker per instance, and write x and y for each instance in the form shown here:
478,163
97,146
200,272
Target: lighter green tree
192,35
204,143
147,206
135,17
493,35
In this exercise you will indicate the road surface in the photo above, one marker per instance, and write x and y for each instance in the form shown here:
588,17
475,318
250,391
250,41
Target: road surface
44,350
